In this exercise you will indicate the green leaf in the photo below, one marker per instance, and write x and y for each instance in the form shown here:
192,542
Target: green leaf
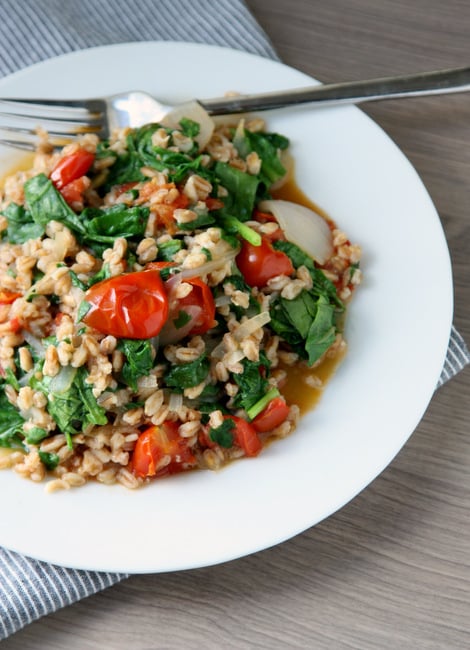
49,459
103,274
189,128
139,360
168,249
223,435
241,189
73,409
322,332
105,225
142,153
187,375
321,284
83,309
93,412
239,283
47,204
266,145
203,220
10,378
76,282
252,382
11,424
182,319
35,435
306,322
21,225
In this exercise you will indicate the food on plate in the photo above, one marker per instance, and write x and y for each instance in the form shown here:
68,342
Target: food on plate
156,291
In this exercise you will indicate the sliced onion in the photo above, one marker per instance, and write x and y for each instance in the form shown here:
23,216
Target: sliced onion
211,266
34,342
192,111
171,334
63,380
24,381
223,300
303,227
175,402
251,325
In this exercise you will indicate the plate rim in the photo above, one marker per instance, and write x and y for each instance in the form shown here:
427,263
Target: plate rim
308,80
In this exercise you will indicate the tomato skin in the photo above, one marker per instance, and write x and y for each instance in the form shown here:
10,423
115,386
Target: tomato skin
214,204
245,435
272,416
201,296
258,264
71,167
156,442
15,325
7,297
133,305
73,191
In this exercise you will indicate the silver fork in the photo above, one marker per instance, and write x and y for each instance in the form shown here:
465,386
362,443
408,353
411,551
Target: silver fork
65,120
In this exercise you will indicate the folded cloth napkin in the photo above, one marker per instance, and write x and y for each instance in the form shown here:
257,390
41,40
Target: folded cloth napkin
30,589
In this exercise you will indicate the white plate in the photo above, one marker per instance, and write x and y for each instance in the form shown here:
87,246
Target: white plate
397,329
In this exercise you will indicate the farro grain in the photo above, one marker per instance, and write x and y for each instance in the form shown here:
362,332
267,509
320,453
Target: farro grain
26,360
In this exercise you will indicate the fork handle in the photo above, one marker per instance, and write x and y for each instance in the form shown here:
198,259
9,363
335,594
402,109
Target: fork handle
354,92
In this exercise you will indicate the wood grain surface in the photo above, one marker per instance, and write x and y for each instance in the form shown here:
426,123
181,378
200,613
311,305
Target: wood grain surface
391,569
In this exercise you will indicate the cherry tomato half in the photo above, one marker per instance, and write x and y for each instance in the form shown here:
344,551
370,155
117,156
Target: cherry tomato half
272,416
200,296
73,191
258,264
245,435
154,444
71,167
133,305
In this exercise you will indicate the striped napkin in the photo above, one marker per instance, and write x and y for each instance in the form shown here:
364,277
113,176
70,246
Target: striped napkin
30,589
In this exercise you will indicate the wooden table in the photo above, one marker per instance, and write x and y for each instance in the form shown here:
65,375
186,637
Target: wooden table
391,569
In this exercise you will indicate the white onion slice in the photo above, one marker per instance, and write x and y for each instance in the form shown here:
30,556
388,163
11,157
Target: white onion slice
303,227
175,402
223,300
34,342
192,111
209,267
171,334
251,325
63,380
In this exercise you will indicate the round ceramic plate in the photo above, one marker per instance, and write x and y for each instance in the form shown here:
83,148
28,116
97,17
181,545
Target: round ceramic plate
397,337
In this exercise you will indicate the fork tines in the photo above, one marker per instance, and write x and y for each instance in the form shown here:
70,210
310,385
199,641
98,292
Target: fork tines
20,120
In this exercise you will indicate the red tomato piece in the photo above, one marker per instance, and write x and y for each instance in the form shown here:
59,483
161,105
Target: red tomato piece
71,167
73,191
272,416
214,204
157,266
156,443
245,435
133,305
14,324
200,296
258,264
263,217
7,297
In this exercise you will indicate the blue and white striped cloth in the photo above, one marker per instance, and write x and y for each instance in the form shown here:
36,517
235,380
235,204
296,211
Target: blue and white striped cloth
34,30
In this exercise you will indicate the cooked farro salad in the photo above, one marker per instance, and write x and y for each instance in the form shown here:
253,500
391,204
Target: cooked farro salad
156,291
